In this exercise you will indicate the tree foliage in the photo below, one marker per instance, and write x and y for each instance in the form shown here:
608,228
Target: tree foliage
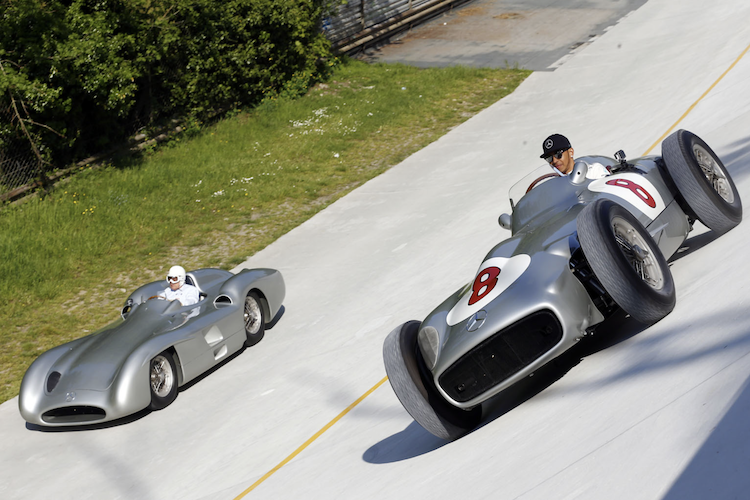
94,70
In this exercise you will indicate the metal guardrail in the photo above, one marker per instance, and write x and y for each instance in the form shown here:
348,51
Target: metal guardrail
360,23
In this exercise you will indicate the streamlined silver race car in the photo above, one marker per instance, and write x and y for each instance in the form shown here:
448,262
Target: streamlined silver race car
580,249
139,361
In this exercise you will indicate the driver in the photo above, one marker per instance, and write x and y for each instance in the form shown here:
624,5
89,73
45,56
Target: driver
178,289
558,152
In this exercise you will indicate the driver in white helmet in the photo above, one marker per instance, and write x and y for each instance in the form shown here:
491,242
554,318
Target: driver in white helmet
178,289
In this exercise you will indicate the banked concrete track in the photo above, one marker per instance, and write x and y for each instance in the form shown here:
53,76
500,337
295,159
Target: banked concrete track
647,413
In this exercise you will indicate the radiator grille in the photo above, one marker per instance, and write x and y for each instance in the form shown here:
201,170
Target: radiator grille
74,414
500,356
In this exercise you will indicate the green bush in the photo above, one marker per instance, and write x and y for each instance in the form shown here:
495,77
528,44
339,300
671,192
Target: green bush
89,72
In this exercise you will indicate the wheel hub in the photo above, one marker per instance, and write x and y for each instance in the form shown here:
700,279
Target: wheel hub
636,250
252,315
161,378
715,175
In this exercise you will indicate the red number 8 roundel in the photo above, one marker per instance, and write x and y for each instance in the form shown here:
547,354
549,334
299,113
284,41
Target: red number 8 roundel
638,190
483,284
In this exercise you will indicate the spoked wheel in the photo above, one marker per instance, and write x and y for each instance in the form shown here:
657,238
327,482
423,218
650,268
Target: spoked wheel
255,326
417,392
702,180
626,261
163,381
638,253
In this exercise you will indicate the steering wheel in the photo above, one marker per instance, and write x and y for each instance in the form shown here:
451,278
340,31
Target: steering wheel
156,297
540,179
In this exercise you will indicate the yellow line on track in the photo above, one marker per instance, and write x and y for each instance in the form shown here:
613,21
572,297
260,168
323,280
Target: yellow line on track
310,441
658,141
372,389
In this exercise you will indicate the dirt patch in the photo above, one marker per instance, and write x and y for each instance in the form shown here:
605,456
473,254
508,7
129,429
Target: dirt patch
479,10
509,15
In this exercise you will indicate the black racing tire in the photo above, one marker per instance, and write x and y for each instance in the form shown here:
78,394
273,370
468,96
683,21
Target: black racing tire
255,324
417,393
162,380
702,180
626,261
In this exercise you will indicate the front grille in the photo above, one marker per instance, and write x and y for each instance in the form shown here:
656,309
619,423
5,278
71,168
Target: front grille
74,414
500,356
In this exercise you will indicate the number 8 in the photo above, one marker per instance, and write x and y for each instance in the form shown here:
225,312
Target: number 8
483,284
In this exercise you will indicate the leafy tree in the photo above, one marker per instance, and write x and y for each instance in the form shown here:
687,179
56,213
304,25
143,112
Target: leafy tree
92,71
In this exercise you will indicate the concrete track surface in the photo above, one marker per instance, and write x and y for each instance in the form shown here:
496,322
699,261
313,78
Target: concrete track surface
633,413
533,34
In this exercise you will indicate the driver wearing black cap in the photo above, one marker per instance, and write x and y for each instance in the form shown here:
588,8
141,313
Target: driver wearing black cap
558,152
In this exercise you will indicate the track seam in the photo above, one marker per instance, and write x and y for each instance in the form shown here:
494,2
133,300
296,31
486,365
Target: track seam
311,440
696,102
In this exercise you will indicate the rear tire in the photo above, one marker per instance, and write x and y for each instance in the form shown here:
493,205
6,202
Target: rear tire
417,393
702,180
626,261
255,326
162,381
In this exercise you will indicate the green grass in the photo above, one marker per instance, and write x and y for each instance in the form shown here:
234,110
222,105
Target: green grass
71,258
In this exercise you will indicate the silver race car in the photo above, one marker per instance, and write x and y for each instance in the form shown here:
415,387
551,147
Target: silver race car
580,249
139,361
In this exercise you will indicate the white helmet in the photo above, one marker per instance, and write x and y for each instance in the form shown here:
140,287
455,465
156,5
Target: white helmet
176,272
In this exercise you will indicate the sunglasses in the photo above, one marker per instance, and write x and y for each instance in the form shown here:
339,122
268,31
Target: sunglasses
173,279
557,156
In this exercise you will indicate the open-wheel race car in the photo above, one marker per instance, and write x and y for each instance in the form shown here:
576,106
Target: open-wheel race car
139,361
580,250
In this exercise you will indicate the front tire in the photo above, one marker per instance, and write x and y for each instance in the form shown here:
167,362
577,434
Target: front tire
255,326
162,381
626,261
702,180
417,393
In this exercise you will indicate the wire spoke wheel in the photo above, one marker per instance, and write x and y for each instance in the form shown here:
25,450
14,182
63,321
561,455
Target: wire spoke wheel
162,376
252,315
714,174
626,260
255,325
162,380
707,191
638,253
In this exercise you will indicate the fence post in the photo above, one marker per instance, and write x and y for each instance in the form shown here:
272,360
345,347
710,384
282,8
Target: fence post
43,180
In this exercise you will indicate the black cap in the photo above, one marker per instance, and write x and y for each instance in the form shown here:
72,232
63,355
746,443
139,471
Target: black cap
553,144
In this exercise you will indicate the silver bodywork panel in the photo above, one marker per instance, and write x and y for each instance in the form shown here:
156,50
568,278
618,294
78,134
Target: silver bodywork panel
525,283
108,371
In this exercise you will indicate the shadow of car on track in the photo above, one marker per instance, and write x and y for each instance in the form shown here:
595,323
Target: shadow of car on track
717,470
737,161
409,443
692,244
414,440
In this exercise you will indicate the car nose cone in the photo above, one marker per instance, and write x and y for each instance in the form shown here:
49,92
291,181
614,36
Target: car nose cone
476,321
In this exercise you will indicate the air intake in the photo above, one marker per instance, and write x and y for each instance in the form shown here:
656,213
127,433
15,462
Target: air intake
52,381
74,414
505,353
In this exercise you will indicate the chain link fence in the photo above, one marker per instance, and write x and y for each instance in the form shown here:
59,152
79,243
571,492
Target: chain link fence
19,164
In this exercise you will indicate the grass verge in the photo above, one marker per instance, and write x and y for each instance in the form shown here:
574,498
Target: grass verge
71,258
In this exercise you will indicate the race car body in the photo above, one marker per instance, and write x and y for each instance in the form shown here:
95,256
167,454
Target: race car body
157,346
580,249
